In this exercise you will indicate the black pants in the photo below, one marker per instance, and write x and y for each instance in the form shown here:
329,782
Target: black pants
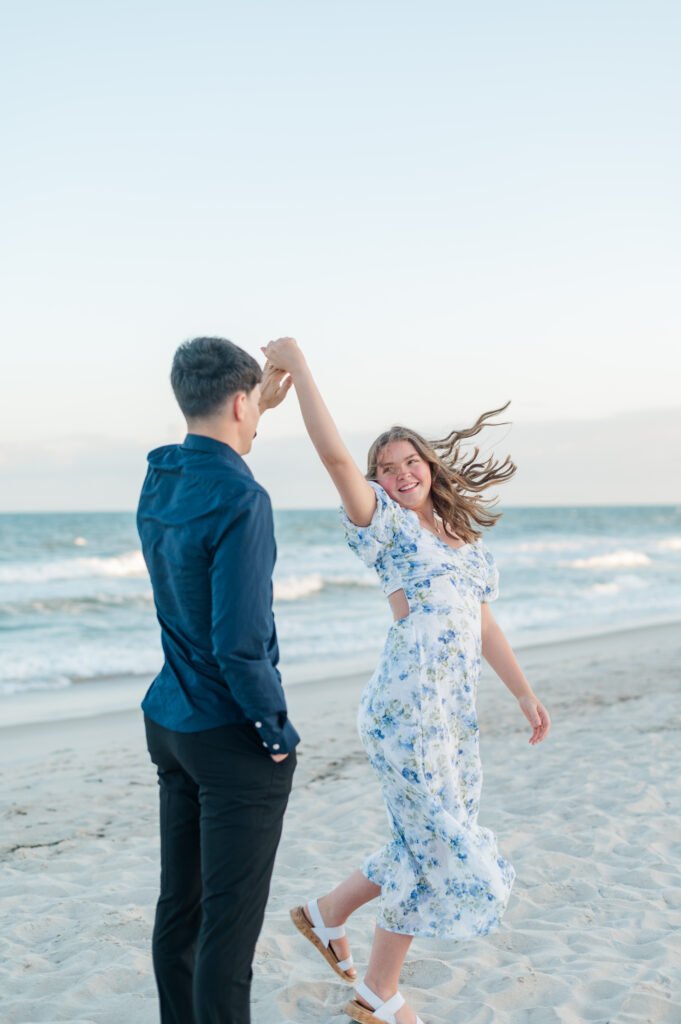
222,806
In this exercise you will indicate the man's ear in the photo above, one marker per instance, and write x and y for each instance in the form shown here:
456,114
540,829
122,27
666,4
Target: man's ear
239,406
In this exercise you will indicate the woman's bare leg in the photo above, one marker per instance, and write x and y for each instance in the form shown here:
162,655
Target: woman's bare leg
353,892
389,948
338,904
385,964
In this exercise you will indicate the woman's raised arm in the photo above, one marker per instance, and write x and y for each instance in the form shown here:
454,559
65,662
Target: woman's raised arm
357,496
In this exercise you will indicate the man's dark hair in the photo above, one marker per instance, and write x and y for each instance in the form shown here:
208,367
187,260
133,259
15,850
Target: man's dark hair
206,371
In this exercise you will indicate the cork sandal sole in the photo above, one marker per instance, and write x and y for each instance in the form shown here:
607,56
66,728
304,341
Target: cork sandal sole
305,928
363,1015
360,1013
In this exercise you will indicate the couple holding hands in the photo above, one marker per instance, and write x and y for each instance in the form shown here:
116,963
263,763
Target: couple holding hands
215,716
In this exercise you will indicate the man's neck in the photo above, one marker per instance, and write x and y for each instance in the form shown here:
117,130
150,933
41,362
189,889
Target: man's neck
219,430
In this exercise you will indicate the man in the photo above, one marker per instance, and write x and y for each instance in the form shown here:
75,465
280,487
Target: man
215,716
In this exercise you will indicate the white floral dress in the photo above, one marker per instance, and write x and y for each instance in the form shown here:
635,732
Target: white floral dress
441,874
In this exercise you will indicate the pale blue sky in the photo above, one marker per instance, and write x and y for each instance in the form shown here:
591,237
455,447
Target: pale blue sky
448,204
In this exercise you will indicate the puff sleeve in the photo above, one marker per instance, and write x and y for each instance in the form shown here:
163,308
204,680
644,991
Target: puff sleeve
376,543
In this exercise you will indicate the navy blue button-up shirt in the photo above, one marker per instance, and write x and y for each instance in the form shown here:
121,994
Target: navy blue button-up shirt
208,541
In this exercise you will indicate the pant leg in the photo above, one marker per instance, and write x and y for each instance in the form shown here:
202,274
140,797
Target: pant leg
243,796
178,912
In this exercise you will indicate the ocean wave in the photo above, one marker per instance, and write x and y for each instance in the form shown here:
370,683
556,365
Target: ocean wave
294,588
77,605
551,545
41,669
12,686
603,589
670,544
129,564
614,560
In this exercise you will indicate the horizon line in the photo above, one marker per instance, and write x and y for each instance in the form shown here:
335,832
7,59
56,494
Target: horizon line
333,508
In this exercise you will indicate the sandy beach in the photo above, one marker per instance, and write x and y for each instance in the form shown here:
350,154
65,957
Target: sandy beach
590,820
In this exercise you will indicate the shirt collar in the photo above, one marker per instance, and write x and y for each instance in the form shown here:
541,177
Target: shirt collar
198,442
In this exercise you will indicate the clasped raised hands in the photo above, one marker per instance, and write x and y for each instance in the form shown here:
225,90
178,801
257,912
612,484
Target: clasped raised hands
273,387
284,354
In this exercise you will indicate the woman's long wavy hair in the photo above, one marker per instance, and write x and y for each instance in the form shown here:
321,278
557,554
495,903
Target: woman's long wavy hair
458,478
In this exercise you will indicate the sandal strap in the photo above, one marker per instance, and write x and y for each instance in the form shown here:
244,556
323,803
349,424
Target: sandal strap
382,1011
324,934
388,1009
345,965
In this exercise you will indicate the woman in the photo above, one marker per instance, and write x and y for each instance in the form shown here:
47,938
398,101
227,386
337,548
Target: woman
412,520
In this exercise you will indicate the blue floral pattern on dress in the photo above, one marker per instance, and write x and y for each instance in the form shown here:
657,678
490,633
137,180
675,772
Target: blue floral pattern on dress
441,874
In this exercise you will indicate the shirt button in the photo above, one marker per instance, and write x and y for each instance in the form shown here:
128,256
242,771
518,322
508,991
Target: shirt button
275,746
264,744
258,725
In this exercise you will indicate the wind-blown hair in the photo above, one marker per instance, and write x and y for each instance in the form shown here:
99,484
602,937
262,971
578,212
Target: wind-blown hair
458,478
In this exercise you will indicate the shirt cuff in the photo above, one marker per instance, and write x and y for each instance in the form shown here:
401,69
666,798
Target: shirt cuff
276,733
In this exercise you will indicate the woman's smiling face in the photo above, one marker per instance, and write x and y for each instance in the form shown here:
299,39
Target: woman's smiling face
403,474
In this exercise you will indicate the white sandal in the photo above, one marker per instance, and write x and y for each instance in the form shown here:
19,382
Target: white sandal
320,936
381,1013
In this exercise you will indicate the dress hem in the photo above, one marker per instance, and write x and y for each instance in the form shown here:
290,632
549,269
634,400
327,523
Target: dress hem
458,937
442,935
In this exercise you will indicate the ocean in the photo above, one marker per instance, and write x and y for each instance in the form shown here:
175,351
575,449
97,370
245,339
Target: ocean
76,606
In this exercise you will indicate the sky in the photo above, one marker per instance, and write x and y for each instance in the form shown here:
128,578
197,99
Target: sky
449,205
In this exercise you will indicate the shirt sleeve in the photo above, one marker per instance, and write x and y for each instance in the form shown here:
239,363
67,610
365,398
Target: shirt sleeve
243,635
491,587
370,542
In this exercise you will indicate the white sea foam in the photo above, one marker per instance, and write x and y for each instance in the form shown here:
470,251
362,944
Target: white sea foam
42,669
353,581
294,587
614,560
603,589
670,544
11,686
129,564
551,545
80,542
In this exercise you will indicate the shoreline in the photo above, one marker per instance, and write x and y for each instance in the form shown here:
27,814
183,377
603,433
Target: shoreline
121,694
